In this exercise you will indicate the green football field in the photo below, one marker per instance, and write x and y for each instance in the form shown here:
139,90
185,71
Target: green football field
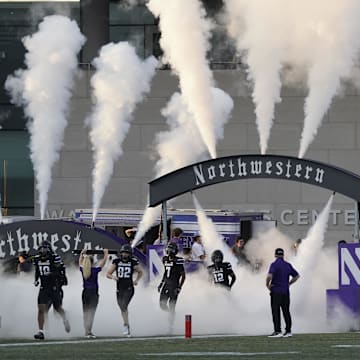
304,346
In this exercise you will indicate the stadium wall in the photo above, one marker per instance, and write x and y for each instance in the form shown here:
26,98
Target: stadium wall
293,205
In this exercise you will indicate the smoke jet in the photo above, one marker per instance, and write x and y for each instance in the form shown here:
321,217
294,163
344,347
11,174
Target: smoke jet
210,238
120,82
181,145
44,90
180,21
263,49
319,39
314,241
332,61
307,258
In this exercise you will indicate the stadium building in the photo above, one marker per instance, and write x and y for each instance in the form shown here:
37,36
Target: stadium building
294,205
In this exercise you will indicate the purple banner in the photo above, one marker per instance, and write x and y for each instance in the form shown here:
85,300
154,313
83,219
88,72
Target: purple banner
348,293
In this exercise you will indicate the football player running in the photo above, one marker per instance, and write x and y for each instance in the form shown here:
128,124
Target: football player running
62,278
49,273
220,272
125,266
172,280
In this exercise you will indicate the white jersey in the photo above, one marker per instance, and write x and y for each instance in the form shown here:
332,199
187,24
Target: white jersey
197,251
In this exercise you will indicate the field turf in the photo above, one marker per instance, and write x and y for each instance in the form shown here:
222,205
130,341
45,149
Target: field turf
302,346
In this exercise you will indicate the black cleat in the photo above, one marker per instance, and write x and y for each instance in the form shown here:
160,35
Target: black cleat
90,335
276,334
39,336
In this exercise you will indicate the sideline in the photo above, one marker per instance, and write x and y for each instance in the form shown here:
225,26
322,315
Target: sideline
345,346
223,353
104,340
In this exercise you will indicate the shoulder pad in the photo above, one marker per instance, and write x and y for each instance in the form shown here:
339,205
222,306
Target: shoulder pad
179,260
56,258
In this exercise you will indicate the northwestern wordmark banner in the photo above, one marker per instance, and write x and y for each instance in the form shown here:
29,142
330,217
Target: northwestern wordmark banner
241,167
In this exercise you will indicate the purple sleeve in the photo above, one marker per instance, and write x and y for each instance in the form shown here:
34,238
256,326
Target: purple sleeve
271,269
97,269
293,272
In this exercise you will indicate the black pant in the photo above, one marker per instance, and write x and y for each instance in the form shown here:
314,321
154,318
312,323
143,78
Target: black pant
90,300
280,301
123,297
50,296
168,295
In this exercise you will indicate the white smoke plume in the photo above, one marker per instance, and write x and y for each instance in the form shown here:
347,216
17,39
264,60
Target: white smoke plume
260,250
211,239
355,76
306,260
264,46
182,145
322,37
121,81
44,90
249,300
185,33
333,59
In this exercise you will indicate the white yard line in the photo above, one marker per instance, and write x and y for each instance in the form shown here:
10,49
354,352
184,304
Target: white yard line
85,341
346,346
222,353
102,340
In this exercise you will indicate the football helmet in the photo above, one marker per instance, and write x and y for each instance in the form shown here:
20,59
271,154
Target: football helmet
44,251
172,249
217,257
125,252
47,244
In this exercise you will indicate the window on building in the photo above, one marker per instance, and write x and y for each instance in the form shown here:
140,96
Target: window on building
18,19
134,24
16,174
137,25
222,53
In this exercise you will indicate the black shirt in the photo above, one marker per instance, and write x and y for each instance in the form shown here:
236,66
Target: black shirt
220,273
48,270
125,271
174,268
